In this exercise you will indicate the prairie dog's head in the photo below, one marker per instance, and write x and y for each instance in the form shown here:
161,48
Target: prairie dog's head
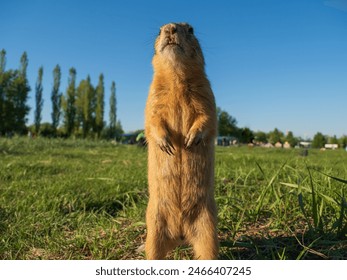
176,43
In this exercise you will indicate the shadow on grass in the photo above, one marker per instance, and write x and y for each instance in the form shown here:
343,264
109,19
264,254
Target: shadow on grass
111,207
284,247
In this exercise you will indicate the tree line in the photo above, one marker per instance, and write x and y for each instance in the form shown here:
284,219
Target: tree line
77,112
227,126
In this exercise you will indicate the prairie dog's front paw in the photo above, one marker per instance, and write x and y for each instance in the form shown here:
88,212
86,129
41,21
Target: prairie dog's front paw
166,146
193,138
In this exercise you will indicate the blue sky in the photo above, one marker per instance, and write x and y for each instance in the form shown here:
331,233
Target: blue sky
271,63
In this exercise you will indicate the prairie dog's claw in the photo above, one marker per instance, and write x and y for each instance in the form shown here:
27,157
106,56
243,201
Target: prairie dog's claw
166,146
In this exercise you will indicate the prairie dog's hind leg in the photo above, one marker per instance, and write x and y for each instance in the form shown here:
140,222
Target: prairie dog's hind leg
158,244
204,239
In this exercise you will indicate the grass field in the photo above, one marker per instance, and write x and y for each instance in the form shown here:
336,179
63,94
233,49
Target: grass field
66,199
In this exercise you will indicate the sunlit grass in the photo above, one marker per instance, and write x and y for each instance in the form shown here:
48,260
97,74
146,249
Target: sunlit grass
75,199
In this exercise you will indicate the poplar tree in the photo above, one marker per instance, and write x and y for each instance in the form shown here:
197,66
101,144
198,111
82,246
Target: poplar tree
2,86
70,103
38,101
99,111
23,65
85,106
88,107
78,108
113,110
20,91
2,61
56,98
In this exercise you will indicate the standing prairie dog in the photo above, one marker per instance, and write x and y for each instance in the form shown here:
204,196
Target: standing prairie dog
180,126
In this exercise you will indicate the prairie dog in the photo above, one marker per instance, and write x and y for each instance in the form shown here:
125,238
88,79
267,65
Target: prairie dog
180,127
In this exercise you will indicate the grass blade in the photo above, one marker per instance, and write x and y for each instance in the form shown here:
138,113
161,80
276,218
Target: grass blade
314,207
261,169
332,177
261,198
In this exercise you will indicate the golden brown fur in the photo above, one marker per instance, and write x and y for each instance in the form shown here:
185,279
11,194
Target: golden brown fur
180,129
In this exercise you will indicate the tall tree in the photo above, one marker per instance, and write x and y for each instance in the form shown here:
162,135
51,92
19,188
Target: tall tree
88,107
2,61
38,101
343,141
113,110
69,103
319,140
333,140
99,111
2,89
226,124
8,112
23,64
21,89
56,97
275,136
260,136
85,106
246,135
14,91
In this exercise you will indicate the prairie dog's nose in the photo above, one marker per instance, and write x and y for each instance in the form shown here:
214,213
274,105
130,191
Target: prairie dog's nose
170,29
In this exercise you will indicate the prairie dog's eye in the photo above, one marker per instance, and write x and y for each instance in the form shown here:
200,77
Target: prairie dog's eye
190,30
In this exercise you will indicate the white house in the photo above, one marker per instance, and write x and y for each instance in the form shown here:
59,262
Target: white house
305,144
331,146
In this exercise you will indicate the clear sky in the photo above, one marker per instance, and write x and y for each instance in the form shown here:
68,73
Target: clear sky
271,63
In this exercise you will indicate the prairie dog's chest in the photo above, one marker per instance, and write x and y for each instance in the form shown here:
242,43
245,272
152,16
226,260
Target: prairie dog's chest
181,109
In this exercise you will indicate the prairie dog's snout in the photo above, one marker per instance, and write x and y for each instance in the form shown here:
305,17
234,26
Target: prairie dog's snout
170,33
169,36
177,38
170,29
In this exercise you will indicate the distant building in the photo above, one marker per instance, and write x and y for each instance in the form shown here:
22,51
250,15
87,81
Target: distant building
331,146
226,141
268,145
286,145
278,145
305,144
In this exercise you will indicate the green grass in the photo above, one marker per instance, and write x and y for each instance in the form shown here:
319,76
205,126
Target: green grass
66,199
